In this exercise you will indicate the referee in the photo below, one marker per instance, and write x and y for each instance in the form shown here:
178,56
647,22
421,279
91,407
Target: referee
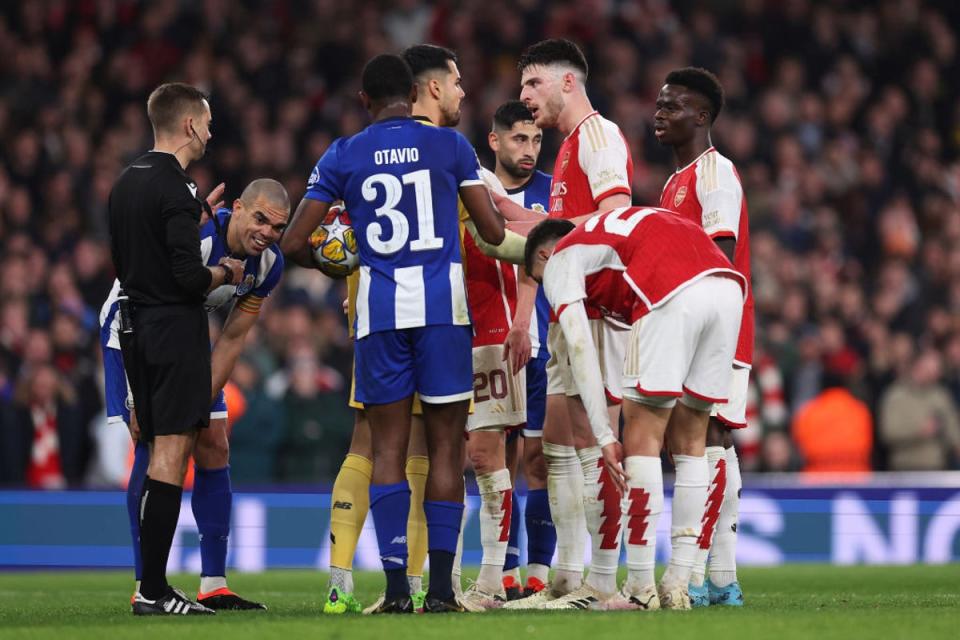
154,215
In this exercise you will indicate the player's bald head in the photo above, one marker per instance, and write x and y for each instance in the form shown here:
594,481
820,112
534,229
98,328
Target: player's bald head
269,190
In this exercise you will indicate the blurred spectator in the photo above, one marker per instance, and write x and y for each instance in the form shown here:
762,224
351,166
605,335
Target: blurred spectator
255,435
834,431
44,442
317,418
919,422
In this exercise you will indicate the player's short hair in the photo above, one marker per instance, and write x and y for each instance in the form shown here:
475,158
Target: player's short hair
546,231
424,58
701,81
270,189
386,76
554,51
509,114
169,103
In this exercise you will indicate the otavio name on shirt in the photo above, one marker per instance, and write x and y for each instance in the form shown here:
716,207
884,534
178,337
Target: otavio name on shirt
396,156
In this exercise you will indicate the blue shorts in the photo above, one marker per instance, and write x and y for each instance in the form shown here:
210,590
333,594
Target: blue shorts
115,390
435,361
536,396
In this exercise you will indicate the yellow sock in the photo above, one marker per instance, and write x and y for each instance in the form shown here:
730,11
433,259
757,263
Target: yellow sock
417,467
350,502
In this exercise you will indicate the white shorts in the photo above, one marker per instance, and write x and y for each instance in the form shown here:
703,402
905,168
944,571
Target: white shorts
733,414
687,345
611,343
499,397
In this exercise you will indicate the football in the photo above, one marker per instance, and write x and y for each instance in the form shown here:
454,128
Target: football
334,244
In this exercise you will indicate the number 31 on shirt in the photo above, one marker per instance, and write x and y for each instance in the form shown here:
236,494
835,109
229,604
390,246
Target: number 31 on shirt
393,192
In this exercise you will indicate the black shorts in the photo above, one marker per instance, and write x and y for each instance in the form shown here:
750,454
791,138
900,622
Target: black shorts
167,361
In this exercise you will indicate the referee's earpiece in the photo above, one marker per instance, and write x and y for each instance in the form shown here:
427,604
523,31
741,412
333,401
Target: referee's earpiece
194,132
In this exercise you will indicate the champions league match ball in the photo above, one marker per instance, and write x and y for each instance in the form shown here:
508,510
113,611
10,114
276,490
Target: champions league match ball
334,244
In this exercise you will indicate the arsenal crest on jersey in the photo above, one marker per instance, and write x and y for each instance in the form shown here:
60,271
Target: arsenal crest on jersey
565,161
245,286
681,194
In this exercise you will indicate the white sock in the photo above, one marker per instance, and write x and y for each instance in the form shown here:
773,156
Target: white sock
212,583
539,571
644,505
458,557
513,573
495,496
602,513
689,499
342,579
137,588
565,489
718,483
723,556
415,583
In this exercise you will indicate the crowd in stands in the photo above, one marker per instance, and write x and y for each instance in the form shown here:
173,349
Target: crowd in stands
843,119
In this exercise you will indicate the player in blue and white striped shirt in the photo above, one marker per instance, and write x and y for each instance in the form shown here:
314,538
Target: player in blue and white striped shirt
400,180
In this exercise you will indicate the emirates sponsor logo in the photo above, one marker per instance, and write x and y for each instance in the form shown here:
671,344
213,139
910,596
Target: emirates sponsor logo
681,194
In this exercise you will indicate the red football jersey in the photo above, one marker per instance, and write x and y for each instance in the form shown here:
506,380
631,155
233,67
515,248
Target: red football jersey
491,294
653,251
708,192
593,163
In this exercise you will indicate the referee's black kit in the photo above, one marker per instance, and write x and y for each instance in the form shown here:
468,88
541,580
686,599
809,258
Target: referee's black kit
154,215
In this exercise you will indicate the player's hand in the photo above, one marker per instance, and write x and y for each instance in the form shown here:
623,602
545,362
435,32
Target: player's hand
521,227
517,348
493,184
236,268
613,461
346,306
134,426
214,200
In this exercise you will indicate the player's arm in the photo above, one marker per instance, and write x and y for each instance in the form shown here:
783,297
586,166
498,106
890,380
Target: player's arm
721,200
486,218
517,347
614,201
513,211
585,366
510,250
295,243
229,345
324,187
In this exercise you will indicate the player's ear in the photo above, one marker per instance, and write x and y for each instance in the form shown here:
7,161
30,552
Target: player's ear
238,204
365,100
434,88
494,141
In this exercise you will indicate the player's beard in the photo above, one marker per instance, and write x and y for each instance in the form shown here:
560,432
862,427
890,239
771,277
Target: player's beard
451,117
514,169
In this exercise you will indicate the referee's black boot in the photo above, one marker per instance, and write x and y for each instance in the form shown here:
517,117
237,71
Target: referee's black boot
172,603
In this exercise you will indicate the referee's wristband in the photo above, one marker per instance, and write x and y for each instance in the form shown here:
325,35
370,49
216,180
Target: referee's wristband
227,274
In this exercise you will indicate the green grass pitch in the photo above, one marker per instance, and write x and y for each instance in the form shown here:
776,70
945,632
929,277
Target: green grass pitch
807,601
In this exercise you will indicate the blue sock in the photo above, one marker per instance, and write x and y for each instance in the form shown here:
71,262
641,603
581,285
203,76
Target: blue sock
541,534
512,560
212,502
443,530
138,475
390,506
